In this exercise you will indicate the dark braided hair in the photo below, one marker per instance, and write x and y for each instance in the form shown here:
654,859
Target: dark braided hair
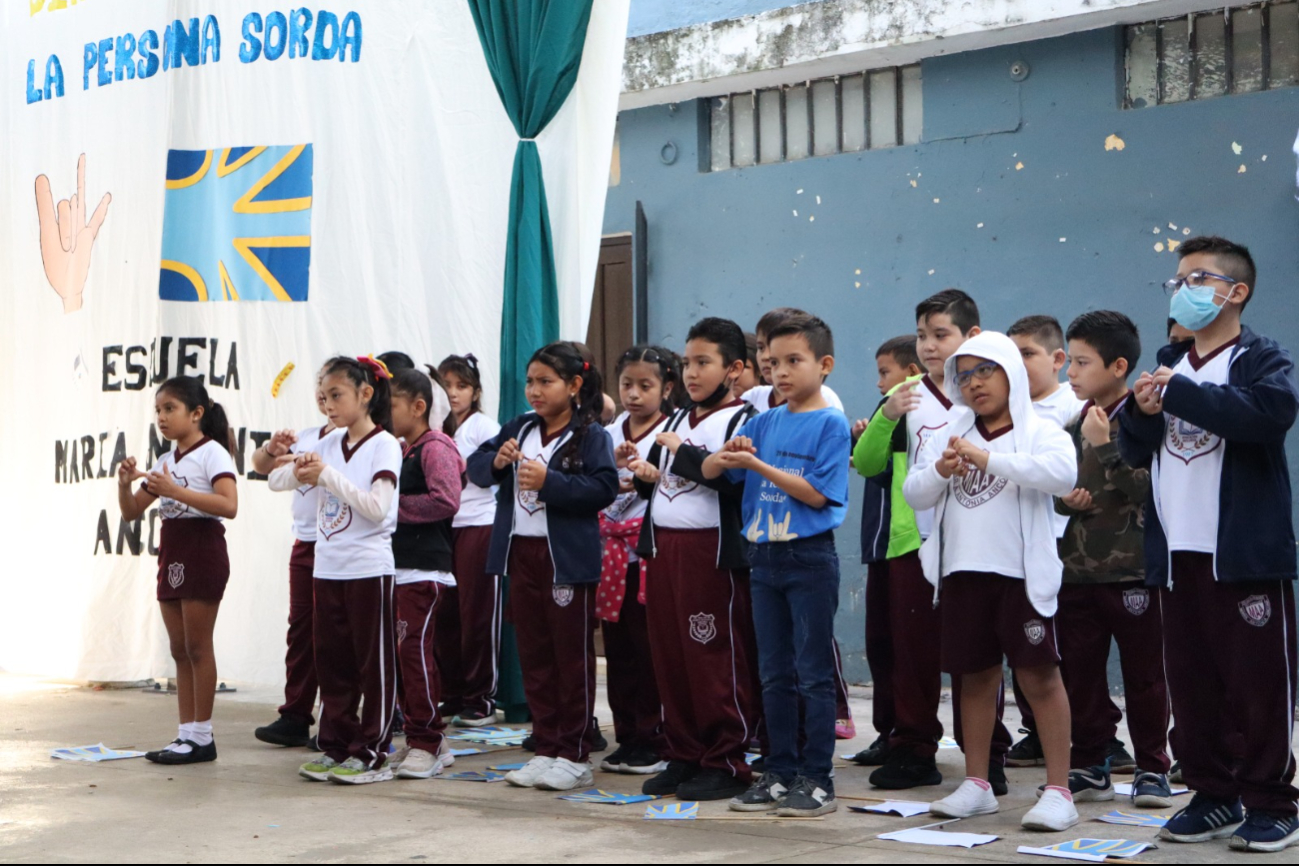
359,374
566,359
669,366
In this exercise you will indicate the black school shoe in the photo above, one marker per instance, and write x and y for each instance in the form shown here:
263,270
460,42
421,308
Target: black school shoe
153,756
874,755
905,769
1027,752
668,782
285,732
711,784
997,779
1121,761
196,755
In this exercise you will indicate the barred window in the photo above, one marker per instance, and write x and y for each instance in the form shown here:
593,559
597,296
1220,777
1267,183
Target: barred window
1236,50
842,114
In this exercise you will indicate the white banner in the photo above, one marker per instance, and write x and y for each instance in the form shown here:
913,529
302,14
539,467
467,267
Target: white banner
222,189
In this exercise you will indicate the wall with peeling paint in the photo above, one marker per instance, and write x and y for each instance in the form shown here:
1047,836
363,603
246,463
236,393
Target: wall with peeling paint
1076,227
655,16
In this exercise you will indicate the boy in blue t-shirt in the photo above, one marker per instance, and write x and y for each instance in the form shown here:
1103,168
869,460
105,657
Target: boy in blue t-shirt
793,462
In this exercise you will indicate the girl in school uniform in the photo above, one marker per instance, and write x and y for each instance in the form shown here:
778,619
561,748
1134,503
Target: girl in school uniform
194,485
297,713
647,378
429,495
469,616
556,471
356,468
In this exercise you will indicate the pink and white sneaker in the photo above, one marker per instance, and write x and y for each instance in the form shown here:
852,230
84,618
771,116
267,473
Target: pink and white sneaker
844,729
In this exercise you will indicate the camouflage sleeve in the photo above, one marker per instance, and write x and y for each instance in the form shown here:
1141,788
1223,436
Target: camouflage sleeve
1132,483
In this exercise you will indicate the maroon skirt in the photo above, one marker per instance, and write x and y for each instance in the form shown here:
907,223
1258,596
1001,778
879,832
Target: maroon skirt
192,559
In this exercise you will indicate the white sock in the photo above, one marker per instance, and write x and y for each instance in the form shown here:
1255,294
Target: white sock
182,733
201,732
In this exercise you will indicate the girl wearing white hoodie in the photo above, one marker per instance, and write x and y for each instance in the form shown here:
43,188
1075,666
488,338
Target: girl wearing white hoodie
993,563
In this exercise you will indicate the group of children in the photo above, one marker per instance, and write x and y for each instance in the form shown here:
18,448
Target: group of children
1005,517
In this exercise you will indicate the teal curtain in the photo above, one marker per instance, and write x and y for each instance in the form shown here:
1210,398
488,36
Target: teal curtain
534,50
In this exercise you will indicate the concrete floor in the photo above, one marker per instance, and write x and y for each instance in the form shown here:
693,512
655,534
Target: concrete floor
250,806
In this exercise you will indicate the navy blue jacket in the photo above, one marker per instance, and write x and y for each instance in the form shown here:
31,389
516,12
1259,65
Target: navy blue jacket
577,488
877,505
1252,413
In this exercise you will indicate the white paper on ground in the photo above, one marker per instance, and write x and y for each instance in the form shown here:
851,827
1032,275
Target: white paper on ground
905,808
1124,789
918,836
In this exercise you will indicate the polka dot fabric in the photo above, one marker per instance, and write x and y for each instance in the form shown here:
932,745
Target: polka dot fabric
619,541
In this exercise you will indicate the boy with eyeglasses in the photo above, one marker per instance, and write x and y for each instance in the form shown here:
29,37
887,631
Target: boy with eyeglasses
992,560
1211,424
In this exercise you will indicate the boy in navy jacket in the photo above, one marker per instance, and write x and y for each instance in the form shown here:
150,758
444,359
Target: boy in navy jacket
1211,423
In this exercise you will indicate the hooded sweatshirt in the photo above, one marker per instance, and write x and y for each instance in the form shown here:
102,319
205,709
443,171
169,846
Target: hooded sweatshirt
1041,465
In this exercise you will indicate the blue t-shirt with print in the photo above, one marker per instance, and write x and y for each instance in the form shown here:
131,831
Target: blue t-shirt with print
815,445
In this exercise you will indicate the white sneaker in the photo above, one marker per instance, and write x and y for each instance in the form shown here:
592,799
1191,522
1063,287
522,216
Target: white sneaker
353,771
565,775
444,752
420,764
1053,813
527,775
395,758
968,800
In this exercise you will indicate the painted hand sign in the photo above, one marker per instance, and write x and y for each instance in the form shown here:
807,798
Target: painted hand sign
67,238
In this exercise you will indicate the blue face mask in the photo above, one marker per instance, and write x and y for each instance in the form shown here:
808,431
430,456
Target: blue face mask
1194,308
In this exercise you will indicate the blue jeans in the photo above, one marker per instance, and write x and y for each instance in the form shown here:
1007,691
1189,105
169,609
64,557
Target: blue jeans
795,589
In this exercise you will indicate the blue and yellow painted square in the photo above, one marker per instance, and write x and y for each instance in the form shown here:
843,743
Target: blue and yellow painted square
237,224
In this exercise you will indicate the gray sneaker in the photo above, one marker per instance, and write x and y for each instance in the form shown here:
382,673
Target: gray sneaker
764,795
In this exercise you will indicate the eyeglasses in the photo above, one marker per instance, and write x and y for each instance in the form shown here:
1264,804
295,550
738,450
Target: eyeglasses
1195,279
982,372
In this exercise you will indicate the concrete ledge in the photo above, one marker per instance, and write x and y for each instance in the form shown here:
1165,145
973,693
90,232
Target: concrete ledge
833,37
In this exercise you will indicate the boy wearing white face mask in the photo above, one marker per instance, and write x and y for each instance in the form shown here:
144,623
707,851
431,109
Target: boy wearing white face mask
1211,423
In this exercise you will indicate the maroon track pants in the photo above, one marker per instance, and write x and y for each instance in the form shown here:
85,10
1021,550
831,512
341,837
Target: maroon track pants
701,638
468,642
1089,616
1232,646
356,659
554,624
300,660
633,693
916,626
421,685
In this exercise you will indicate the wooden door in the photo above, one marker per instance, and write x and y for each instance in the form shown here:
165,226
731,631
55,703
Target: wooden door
610,332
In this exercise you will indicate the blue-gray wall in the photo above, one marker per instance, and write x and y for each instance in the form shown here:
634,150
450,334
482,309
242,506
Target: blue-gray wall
728,243
655,16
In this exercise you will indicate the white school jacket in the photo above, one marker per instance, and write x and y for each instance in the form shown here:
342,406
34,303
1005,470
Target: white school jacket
1043,464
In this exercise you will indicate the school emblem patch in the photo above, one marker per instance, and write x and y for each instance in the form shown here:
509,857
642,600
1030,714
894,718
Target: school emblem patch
673,486
1187,442
334,515
702,627
401,630
530,501
176,574
170,507
977,487
1035,631
1137,601
562,594
1256,610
